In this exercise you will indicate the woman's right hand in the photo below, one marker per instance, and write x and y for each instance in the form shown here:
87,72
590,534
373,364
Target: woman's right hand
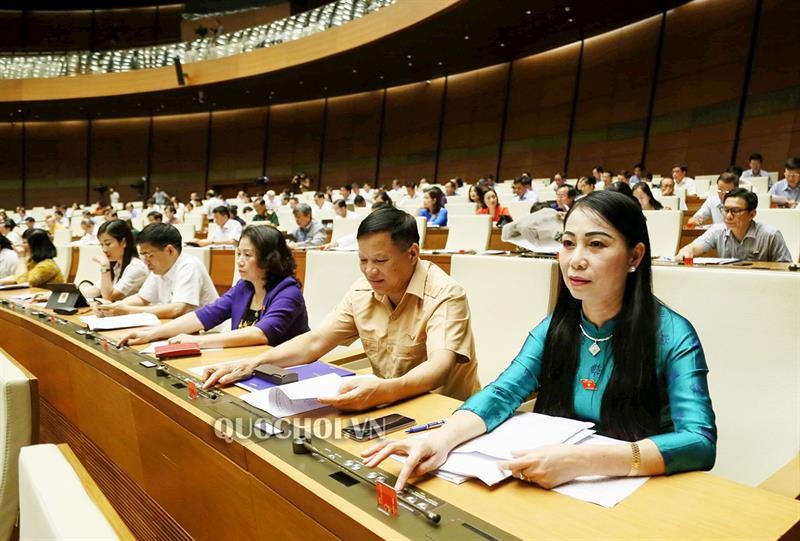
134,338
225,374
422,456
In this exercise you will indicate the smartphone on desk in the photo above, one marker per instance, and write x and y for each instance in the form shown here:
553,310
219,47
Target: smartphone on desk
376,428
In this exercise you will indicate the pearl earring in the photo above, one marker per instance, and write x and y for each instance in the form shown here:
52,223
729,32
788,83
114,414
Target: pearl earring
632,269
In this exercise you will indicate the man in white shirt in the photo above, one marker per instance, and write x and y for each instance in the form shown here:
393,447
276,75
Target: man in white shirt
523,191
178,283
755,162
681,180
667,187
7,230
321,203
712,207
227,231
346,193
271,201
212,201
88,238
340,208
412,193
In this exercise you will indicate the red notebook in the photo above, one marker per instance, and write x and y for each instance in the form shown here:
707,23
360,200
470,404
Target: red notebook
177,350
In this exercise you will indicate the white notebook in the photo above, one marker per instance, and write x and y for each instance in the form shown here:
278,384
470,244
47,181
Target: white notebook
295,398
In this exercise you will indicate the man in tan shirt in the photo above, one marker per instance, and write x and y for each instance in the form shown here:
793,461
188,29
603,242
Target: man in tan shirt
412,318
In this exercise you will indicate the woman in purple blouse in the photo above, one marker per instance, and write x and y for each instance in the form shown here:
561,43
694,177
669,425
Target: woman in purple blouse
265,306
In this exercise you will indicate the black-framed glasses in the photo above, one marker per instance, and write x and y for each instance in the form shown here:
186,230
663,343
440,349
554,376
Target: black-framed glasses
733,211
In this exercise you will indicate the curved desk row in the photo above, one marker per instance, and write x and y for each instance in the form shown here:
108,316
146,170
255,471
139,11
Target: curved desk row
154,452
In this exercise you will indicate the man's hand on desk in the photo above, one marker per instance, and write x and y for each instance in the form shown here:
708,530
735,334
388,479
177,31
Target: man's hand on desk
422,456
113,309
358,394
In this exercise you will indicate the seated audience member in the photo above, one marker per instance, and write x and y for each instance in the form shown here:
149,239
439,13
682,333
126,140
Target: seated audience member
755,161
235,215
565,198
134,212
52,224
321,203
7,227
170,216
523,191
61,218
789,187
383,197
586,186
636,178
309,232
30,222
636,369
293,201
740,236
266,305
360,202
9,260
122,273
346,193
40,266
492,206
643,194
451,188
160,197
712,206
154,217
412,318
433,207
178,283
679,171
243,198
365,195
264,213
340,211
624,176
88,238
227,231
214,200
475,195
412,192
621,187
558,181
597,173
667,188
608,178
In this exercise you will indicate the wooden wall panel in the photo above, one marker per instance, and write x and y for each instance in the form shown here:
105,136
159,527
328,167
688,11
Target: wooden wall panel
11,36
411,131
295,135
119,154
699,85
10,165
179,153
613,99
771,125
55,163
351,139
539,109
237,145
472,123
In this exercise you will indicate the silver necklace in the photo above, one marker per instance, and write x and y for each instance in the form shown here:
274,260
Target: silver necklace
594,349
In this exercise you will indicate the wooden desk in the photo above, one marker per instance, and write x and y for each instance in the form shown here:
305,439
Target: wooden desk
154,453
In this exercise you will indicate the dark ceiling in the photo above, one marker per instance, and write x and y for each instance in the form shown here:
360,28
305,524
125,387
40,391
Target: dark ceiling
475,34
76,5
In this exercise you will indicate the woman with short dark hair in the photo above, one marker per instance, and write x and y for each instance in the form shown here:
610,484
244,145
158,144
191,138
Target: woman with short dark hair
611,353
266,306
41,266
433,207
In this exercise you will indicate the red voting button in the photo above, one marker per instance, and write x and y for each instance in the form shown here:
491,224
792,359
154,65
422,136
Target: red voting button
589,384
387,498
105,345
192,388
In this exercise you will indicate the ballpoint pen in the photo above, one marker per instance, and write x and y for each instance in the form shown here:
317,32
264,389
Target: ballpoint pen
420,428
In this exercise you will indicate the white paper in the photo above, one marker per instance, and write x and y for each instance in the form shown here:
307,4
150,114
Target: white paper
294,398
547,248
126,321
714,260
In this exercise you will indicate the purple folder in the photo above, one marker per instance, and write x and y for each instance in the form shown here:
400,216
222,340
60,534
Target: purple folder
304,371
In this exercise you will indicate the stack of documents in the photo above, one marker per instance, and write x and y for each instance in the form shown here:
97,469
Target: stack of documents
295,398
127,321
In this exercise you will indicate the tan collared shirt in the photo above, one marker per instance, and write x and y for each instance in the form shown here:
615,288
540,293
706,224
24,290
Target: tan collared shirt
432,315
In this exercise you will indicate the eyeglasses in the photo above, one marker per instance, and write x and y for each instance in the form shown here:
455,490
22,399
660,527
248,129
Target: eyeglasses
146,255
733,211
791,174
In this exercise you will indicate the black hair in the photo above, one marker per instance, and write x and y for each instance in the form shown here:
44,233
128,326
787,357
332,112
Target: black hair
341,203
399,224
621,187
385,198
119,230
480,189
160,236
750,199
793,163
222,209
588,180
30,219
347,187
631,404
599,168
155,215
40,244
639,165
9,224
682,166
572,193
437,197
735,169
756,156
729,177
357,200
525,181
643,187
274,255
5,244
319,194
625,173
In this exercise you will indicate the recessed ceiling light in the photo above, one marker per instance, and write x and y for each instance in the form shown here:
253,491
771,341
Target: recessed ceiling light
410,64
439,62
502,45
569,20
466,37
355,70
528,12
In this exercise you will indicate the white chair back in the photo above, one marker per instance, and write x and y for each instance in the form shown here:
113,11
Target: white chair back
460,209
547,194
411,206
186,230
671,202
422,229
524,289
320,214
664,230
75,226
62,236
362,212
748,357
203,254
88,269
758,184
195,219
469,232
328,277
19,423
55,504
286,221
787,221
703,185
519,209
764,201
344,227
64,258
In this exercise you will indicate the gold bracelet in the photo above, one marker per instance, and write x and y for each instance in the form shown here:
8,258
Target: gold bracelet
636,460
